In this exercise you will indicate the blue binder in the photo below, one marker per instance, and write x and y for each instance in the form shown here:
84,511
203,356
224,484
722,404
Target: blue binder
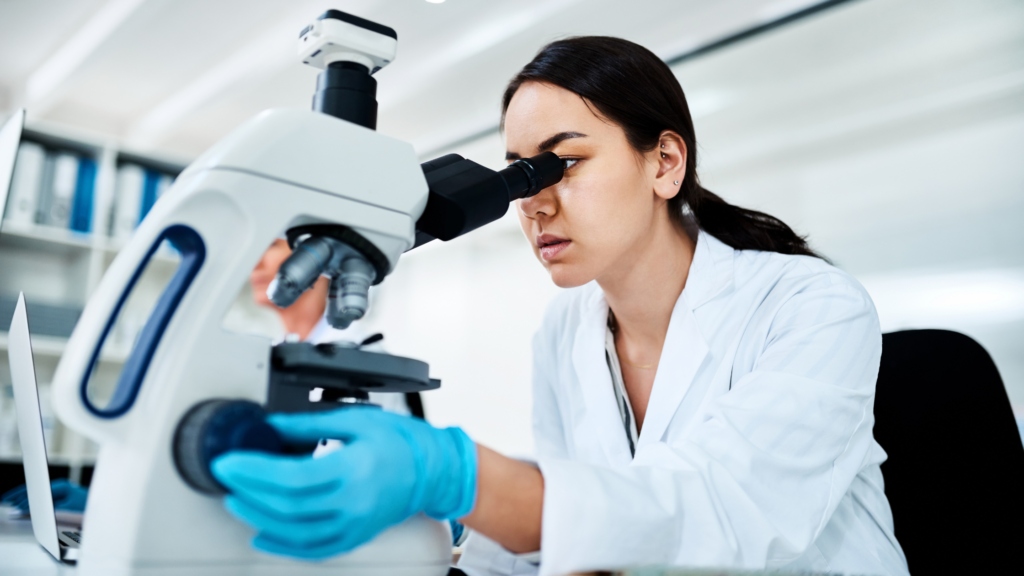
81,206
150,186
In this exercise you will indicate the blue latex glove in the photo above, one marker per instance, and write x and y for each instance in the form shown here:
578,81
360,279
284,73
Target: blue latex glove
457,531
66,496
390,468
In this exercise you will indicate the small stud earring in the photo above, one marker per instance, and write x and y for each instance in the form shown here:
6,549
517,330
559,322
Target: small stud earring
677,182
662,145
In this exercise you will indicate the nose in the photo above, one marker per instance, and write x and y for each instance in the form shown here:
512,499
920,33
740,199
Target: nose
543,204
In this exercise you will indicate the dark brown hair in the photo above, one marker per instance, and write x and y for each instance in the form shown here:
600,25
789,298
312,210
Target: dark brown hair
636,90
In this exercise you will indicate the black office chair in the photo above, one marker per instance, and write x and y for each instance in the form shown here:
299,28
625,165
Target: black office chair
955,473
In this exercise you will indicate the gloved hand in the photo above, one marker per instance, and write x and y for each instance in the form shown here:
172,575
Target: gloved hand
66,496
390,468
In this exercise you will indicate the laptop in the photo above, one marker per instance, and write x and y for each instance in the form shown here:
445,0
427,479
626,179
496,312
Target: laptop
61,542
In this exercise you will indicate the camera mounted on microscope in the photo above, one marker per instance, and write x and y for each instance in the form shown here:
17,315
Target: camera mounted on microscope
349,50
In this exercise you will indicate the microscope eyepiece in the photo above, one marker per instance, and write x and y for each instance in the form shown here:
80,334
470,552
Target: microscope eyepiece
541,171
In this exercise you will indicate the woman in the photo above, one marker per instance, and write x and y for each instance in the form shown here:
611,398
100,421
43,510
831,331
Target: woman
703,388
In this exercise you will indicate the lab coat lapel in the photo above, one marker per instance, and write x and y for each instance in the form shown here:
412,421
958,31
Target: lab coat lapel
588,357
685,348
682,355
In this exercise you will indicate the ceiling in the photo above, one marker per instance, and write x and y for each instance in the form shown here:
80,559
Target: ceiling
174,77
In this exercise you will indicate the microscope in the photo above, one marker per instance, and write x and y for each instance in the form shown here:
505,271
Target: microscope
350,202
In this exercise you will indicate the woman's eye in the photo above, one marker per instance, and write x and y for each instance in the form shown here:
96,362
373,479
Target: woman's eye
569,163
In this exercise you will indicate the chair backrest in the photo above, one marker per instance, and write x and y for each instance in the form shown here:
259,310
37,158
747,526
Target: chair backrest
955,473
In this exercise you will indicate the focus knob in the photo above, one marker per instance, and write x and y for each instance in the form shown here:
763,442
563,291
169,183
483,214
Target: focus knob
214,427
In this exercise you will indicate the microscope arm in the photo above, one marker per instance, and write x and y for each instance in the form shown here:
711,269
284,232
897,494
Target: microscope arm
465,195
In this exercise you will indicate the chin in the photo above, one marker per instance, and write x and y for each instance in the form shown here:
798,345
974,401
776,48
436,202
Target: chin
566,276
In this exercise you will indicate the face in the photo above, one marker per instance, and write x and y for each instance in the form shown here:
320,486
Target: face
267,268
594,222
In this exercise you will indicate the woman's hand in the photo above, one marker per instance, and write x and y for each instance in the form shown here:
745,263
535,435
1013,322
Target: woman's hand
390,468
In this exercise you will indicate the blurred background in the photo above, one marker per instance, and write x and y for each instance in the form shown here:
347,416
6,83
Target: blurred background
891,132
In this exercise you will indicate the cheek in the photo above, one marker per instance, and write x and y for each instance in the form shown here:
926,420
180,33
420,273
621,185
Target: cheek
606,208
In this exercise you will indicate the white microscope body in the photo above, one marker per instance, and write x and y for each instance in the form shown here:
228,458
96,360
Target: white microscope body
281,171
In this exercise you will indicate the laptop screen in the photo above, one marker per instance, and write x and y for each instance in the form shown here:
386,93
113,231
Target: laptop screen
30,431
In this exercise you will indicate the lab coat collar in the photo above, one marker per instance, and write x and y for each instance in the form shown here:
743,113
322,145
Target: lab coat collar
711,273
711,270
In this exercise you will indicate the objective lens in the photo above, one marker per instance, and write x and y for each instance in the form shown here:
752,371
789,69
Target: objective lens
299,271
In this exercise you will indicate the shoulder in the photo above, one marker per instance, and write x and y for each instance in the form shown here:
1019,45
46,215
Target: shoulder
786,275
788,294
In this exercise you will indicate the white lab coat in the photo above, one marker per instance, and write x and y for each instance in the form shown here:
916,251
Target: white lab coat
756,450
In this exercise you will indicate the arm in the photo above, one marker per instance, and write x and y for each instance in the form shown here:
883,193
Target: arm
509,502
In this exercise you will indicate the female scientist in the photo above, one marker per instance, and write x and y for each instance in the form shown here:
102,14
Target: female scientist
703,387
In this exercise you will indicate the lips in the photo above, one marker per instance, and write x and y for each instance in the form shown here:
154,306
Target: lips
551,246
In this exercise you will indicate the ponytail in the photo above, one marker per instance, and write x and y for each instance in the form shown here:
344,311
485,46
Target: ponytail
635,89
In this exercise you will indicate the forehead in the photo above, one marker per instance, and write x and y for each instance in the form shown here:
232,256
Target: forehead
537,111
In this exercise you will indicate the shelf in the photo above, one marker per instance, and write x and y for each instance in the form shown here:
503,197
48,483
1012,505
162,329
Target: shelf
47,238
64,241
53,347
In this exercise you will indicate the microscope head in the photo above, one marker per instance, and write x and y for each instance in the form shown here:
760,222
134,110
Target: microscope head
461,197
348,49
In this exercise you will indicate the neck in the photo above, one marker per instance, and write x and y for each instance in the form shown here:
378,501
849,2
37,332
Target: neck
302,316
642,290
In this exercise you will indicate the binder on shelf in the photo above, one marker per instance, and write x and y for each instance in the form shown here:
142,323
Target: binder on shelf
136,192
58,189
127,201
26,183
85,185
150,189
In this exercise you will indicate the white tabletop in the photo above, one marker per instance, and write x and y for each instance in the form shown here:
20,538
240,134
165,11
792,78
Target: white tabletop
21,555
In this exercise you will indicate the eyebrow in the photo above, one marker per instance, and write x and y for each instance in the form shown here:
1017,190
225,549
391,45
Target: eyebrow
548,144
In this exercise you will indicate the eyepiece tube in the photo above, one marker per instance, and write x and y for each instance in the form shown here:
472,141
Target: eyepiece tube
528,176
465,195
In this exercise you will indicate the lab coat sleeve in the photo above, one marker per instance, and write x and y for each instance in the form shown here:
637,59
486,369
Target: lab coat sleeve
548,433
754,483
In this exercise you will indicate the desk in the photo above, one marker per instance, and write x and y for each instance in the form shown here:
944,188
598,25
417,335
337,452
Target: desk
21,555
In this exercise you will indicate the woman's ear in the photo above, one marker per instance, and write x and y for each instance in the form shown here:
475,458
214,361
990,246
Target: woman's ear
671,158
